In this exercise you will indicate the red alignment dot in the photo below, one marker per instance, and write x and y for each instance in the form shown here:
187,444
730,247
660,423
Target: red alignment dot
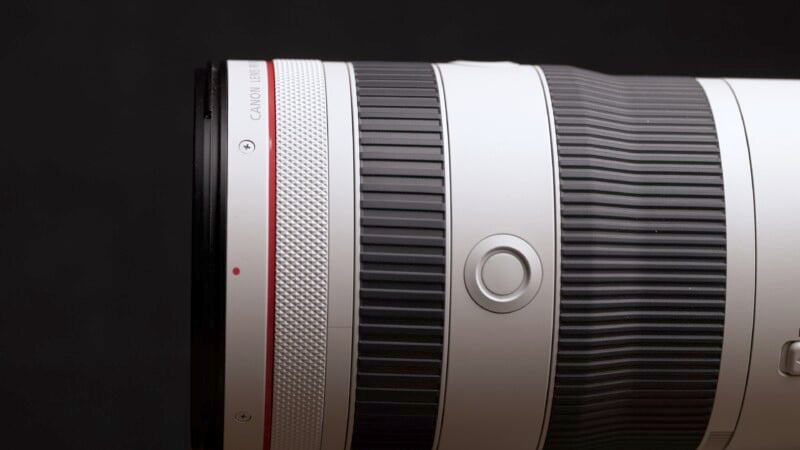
236,271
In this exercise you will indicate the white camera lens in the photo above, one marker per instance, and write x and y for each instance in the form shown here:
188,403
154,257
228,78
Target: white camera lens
469,255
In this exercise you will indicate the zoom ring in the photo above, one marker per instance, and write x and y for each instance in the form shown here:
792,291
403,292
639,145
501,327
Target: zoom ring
643,262
402,256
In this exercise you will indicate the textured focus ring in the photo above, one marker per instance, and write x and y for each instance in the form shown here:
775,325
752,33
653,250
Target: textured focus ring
643,260
301,245
402,256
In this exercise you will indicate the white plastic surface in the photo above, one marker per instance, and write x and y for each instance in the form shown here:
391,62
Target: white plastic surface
246,292
501,183
740,264
341,254
771,410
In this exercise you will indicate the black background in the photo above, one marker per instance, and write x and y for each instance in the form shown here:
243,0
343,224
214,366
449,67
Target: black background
95,165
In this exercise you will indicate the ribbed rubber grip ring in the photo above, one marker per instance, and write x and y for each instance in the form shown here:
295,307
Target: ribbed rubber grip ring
643,261
402,256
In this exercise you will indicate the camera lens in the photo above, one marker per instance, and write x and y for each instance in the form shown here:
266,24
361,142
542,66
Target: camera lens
474,255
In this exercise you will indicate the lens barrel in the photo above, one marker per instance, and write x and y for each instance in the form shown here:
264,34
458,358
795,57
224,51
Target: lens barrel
492,255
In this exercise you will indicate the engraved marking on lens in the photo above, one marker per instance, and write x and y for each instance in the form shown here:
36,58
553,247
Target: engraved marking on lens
243,417
247,146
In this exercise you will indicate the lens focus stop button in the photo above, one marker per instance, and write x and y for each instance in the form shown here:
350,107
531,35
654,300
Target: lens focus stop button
503,273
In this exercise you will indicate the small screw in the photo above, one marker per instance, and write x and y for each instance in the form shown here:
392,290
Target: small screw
243,417
247,146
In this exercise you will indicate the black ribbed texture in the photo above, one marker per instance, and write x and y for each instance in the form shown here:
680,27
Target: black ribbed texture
402,256
643,262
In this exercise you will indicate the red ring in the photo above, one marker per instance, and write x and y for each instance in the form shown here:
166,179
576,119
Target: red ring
270,260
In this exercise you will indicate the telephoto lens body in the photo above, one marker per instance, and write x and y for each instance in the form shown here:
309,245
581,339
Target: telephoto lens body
477,255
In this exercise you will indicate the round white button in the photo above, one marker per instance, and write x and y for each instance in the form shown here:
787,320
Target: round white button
503,273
